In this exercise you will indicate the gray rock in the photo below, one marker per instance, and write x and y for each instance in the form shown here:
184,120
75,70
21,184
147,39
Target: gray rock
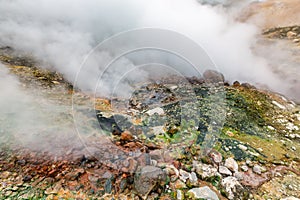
225,171
238,175
231,164
146,178
257,169
179,195
193,178
212,76
203,193
183,175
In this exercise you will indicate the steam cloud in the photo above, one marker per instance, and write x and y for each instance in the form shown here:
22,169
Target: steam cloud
61,34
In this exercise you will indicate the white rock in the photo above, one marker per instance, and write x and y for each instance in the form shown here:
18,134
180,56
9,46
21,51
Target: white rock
179,195
278,105
271,128
157,110
193,178
173,87
291,127
290,198
157,130
184,175
205,171
244,168
242,147
225,171
231,185
231,164
203,193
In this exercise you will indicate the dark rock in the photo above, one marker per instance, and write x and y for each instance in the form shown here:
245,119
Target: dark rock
236,84
27,178
147,178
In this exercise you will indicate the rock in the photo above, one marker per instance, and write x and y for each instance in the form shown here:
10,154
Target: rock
236,84
179,195
202,193
242,147
5,174
157,110
279,105
238,175
74,174
212,76
231,164
178,184
225,171
215,156
193,178
126,136
231,186
244,168
256,169
290,198
146,178
27,178
183,175
291,34
205,171
108,186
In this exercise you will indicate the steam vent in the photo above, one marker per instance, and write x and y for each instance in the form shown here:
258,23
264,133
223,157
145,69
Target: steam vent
161,99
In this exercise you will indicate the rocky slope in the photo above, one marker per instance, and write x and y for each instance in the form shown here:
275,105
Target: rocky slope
192,138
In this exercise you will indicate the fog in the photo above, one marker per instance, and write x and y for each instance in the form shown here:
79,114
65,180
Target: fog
62,33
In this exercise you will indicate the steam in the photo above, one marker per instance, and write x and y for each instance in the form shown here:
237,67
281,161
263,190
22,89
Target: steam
62,33
30,120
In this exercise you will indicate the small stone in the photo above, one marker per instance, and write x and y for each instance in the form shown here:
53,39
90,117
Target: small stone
126,136
291,34
231,164
244,168
293,148
216,156
178,184
5,175
179,195
242,147
203,193
193,178
225,171
183,175
27,178
257,169
279,105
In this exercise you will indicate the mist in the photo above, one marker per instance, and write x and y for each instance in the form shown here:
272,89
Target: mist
61,34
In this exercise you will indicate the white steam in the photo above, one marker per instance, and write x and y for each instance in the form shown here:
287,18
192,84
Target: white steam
61,33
